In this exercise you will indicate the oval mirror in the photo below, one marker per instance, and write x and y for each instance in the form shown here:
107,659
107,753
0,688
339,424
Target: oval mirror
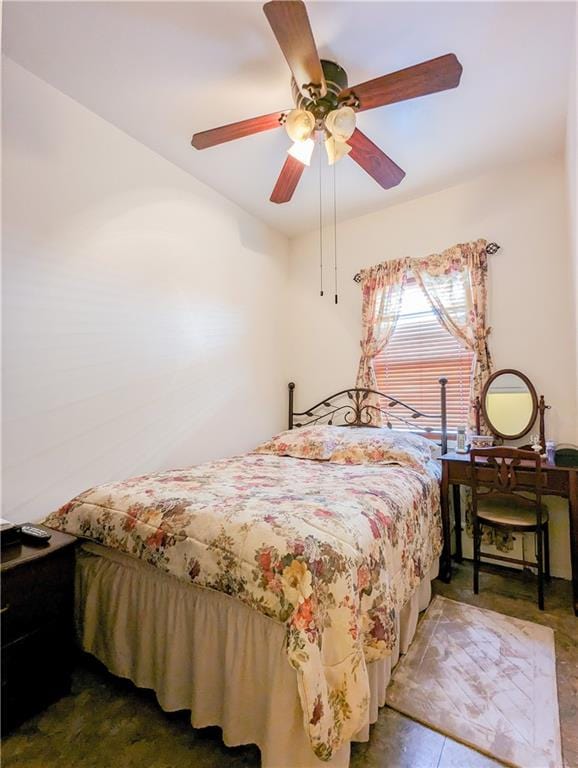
509,404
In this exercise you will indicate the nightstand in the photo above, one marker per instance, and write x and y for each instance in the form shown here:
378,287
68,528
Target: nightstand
37,626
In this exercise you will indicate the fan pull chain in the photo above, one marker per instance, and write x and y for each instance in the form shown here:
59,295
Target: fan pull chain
320,226
335,234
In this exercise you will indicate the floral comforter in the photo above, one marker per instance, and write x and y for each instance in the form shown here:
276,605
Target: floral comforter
332,551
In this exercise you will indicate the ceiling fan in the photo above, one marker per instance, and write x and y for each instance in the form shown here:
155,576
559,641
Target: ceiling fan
326,106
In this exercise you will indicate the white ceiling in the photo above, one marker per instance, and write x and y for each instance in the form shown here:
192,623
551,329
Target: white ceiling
162,70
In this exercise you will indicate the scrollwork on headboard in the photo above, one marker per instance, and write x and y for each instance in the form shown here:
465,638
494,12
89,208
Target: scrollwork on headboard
351,408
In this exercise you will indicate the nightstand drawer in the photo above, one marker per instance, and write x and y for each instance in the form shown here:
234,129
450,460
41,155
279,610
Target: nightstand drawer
33,597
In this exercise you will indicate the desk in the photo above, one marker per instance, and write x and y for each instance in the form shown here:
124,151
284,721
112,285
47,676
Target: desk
556,481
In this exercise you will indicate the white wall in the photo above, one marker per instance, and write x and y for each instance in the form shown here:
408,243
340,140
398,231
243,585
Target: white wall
530,289
142,310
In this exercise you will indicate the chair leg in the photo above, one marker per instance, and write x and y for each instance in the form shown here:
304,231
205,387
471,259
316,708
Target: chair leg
476,556
547,551
540,559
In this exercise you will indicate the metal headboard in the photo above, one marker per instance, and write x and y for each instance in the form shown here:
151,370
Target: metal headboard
350,408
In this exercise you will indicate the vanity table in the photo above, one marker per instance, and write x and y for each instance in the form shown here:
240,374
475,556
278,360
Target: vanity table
509,406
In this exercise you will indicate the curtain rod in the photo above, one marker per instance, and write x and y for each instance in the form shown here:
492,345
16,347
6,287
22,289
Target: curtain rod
491,248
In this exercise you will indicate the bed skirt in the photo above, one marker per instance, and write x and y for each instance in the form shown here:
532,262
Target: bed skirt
209,653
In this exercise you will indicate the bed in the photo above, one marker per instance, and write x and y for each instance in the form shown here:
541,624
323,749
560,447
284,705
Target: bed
270,593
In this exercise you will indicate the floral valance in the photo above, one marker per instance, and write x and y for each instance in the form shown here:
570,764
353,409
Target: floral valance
453,259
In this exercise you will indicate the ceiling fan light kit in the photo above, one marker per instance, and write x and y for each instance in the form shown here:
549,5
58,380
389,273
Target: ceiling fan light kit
336,129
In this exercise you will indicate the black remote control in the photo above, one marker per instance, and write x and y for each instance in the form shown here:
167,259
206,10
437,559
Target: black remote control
33,535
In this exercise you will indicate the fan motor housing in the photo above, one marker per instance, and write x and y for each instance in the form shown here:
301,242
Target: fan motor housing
336,79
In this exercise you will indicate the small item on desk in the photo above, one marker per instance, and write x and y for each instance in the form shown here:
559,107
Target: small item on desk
461,440
537,445
551,451
33,535
482,441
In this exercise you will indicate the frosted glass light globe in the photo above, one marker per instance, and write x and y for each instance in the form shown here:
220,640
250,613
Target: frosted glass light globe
341,123
335,149
300,124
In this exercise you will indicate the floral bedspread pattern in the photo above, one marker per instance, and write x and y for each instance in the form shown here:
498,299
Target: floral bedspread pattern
332,551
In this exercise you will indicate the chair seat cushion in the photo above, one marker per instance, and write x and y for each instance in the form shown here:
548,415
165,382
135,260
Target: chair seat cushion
509,512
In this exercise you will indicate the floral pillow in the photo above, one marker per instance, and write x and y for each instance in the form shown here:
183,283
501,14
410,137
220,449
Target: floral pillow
351,445
315,442
370,445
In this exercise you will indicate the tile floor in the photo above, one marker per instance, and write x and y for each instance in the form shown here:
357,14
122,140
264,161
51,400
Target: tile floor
106,722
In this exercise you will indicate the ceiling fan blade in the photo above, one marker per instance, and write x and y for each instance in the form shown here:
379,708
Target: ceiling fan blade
234,131
377,164
290,24
428,77
287,181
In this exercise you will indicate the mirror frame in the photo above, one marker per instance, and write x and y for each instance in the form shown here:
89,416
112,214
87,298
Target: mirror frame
533,395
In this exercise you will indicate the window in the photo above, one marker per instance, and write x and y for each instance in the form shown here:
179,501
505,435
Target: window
420,352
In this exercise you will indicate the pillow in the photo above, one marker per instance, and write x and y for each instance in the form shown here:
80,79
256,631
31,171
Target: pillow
375,445
314,442
351,445
389,437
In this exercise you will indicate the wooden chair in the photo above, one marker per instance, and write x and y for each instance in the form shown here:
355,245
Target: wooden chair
497,502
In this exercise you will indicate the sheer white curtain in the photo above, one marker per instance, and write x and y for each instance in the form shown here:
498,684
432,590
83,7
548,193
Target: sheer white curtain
382,288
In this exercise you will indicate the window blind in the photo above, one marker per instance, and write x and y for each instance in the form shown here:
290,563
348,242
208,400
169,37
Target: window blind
420,352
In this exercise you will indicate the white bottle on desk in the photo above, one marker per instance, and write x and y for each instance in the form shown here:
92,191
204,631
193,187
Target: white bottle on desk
461,440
